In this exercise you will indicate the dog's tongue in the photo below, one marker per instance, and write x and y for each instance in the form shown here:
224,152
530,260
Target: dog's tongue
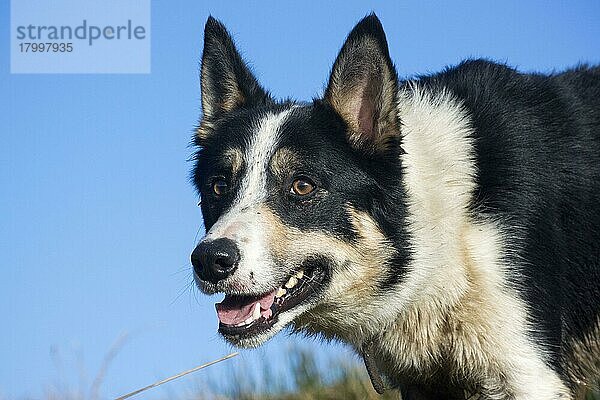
234,310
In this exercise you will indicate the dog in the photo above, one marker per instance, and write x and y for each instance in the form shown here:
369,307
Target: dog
446,227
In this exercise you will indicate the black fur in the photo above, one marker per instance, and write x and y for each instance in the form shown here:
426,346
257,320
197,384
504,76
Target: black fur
538,157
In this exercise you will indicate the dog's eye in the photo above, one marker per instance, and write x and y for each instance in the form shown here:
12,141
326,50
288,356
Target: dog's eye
219,186
302,186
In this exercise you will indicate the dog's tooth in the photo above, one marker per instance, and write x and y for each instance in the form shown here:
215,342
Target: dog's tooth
256,312
280,292
291,282
299,274
249,320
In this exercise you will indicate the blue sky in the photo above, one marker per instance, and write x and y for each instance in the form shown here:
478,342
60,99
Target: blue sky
97,218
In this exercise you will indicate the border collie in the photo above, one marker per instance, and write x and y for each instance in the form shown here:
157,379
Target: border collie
446,227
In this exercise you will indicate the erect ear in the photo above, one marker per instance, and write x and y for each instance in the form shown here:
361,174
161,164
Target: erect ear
363,88
226,80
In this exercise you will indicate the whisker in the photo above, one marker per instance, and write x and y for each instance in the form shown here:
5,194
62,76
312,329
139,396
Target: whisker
188,286
182,269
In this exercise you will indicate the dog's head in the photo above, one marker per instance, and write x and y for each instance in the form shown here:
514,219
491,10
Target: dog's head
299,199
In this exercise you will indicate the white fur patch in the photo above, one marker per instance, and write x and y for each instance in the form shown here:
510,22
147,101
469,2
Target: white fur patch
456,300
261,149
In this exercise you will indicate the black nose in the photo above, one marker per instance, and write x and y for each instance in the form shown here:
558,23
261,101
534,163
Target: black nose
215,260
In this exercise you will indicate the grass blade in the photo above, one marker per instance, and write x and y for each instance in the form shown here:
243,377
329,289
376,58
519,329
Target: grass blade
179,375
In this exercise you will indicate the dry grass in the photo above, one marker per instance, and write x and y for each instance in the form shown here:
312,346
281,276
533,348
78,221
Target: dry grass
340,379
301,378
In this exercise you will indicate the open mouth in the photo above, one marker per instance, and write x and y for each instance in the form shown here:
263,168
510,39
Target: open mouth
247,316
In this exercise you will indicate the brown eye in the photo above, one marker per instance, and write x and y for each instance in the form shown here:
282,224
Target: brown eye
219,186
302,187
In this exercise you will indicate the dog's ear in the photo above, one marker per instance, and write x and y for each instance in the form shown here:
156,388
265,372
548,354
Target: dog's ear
363,88
227,82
